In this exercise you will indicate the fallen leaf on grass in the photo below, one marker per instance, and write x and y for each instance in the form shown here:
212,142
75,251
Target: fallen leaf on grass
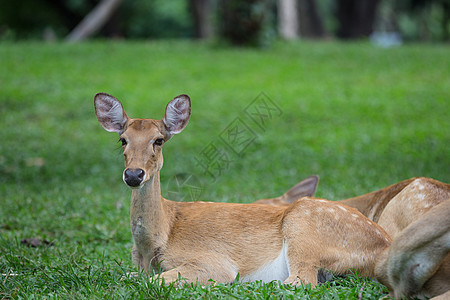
35,242
5,227
35,162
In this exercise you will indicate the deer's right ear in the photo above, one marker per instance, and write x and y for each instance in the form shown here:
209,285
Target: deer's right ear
110,113
177,114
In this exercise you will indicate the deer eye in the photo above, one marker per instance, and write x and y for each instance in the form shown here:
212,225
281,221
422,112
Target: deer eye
123,141
159,142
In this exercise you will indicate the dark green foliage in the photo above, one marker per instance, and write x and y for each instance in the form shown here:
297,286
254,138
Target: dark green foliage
245,23
29,19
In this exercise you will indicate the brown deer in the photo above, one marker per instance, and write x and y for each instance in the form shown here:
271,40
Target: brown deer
418,262
393,207
199,241
305,188
415,214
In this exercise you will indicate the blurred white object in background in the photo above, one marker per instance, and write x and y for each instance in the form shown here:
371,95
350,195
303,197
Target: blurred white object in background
386,39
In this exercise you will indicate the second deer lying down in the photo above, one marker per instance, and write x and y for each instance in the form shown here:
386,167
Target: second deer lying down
393,207
418,262
201,241
416,215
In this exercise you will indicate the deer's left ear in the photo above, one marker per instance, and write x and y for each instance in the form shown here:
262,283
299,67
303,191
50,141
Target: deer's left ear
177,114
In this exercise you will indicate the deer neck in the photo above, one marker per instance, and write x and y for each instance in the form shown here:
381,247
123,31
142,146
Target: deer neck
149,215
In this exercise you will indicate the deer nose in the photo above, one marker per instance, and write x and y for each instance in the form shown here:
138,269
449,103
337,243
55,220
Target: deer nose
133,177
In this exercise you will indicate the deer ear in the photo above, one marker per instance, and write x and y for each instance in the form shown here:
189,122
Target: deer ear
110,113
177,114
305,188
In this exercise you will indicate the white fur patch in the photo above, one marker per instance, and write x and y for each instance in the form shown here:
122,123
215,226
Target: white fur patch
116,114
341,207
418,183
278,269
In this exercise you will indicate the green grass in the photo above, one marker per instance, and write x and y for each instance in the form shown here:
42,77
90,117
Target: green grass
360,117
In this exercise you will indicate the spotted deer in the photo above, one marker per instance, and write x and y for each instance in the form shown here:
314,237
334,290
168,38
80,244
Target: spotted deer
393,207
199,241
415,214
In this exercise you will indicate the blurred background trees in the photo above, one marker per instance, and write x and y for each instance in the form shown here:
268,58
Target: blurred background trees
241,22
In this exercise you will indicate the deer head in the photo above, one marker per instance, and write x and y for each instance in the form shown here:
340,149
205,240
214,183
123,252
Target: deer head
142,139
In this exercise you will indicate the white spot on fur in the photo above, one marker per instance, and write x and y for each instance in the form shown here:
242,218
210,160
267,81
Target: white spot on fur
278,269
418,184
341,207
421,196
323,201
355,216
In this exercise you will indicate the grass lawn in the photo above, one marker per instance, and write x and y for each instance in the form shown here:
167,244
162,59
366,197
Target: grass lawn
360,117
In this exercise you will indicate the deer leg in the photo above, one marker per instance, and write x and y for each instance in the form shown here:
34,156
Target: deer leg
196,272
302,274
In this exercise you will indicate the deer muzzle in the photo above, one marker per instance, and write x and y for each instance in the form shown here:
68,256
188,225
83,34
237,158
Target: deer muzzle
133,177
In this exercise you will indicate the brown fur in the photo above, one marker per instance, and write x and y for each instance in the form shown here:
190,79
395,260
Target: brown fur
202,241
395,208
305,188
417,261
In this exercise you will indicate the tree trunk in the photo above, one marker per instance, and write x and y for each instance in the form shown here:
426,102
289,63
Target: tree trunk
94,21
201,15
288,19
356,18
311,24
446,21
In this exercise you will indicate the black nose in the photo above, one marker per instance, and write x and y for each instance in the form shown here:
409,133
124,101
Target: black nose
133,177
